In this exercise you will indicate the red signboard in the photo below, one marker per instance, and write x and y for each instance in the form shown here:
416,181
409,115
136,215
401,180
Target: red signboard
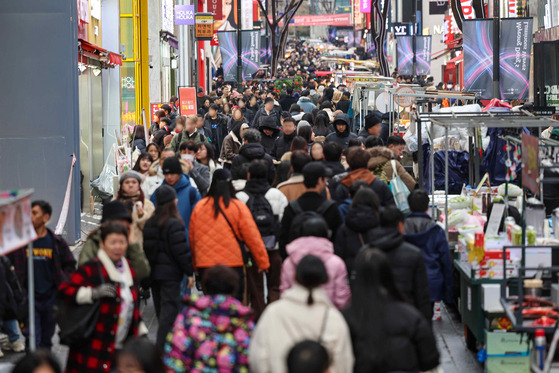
530,163
187,101
154,108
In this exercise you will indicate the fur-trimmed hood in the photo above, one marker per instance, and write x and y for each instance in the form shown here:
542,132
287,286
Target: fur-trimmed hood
379,155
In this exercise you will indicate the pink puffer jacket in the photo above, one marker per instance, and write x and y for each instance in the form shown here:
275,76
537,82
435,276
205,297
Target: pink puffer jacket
337,287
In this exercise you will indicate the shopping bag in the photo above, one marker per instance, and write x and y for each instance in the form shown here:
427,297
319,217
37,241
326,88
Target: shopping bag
399,190
103,185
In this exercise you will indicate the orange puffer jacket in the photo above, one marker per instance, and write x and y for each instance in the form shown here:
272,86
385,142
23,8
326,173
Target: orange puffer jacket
212,241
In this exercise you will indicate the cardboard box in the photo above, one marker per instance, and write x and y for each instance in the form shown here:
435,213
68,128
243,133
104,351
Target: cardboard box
508,364
505,343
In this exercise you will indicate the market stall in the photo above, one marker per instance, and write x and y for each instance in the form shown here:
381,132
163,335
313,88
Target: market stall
497,249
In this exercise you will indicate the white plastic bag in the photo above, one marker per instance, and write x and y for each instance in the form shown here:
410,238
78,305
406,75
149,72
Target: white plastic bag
103,185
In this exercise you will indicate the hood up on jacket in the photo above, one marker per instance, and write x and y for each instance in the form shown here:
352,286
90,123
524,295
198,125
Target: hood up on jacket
252,151
269,125
303,246
225,312
357,175
361,218
388,239
379,155
345,133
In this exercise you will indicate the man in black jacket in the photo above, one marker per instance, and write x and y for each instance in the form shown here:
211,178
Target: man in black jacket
406,260
266,111
314,174
164,130
217,124
270,131
283,142
288,100
252,149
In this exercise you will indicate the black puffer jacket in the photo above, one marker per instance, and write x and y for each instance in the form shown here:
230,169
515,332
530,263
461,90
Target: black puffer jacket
355,233
282,145
408,266
167,250
408,341
247,154
268,142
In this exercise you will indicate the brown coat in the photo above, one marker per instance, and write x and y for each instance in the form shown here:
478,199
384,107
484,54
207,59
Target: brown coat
293,188
380,157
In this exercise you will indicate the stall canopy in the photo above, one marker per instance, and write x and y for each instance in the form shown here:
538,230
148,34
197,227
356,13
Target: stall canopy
88,50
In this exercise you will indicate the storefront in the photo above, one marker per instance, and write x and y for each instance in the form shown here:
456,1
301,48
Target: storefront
91,61
546,64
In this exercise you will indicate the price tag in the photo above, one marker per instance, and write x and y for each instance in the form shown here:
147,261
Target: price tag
495,219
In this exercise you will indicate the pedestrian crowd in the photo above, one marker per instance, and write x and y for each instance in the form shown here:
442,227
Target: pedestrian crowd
267,234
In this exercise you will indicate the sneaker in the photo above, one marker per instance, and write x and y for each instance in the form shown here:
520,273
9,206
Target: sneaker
1,354
17,346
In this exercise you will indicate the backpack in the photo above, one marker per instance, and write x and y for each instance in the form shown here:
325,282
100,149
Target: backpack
296,228
264,218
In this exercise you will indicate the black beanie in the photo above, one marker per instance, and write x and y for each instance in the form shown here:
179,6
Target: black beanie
172,166
164,194
115,210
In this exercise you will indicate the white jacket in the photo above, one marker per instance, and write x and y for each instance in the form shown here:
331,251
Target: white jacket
277,200
289,321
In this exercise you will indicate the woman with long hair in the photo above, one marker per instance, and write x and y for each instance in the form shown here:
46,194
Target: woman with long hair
220,228
138,140
206,156
321,125
298,143
107,278
388,334
155,151
142,165
130,193
303,312
166,248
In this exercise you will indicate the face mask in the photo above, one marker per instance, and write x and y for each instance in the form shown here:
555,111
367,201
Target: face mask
187,157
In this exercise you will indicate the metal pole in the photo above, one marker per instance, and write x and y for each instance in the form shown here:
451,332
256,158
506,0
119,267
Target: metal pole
184,52
239,48
419,151
496,32
446,181
413,31
31,294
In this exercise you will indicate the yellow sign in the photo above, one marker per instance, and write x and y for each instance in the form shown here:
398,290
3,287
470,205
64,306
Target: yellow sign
204,26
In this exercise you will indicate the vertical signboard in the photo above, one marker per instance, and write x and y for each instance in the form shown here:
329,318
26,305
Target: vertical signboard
246,15
423,55
478,57
515,57
187,101
250,53
404,52
204,26
16,228
365,6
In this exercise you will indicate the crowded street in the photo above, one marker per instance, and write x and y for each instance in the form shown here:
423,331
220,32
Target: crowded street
279,186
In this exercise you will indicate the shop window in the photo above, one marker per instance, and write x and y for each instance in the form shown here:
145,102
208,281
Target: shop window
128,89
127,36
126,7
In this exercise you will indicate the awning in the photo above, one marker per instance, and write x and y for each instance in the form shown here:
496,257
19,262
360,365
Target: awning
88,50
456,60
169,38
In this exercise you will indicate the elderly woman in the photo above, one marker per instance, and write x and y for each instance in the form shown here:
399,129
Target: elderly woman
109,279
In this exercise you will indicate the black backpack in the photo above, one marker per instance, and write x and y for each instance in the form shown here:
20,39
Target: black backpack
295,231
263,214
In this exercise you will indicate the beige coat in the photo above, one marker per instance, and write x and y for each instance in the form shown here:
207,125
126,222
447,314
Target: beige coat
289,321
380,156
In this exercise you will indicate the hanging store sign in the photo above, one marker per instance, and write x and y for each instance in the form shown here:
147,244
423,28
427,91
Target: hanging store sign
478,57
246,15
204,26
187,101
167,16
184,15
422,55
365,6
515,57
250,53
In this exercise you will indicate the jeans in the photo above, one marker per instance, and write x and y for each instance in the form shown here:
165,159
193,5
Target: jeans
44,322
167,302
11,329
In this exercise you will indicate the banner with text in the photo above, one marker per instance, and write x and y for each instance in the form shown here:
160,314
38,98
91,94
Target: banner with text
187,101
422,55
515,57
250,53
478,57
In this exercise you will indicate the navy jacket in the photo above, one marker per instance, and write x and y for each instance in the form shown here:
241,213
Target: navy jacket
430,238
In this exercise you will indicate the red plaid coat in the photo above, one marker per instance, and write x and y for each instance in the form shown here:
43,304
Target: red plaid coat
98,355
